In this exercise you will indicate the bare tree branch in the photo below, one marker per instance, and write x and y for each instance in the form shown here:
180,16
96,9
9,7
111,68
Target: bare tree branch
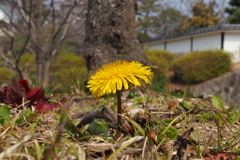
9,61
29,26
39,29
53,16
26,18
65,20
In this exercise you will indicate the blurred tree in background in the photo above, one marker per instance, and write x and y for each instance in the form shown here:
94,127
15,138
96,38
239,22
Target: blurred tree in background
168,21
147,12
234,12
155,18
203,16
39,27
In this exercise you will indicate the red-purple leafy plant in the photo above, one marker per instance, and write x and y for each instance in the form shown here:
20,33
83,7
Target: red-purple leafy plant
21,92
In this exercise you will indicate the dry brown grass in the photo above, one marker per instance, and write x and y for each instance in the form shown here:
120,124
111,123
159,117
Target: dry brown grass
45,137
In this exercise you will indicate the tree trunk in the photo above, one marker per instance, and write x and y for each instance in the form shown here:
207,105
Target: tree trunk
40,69
43,70
111,34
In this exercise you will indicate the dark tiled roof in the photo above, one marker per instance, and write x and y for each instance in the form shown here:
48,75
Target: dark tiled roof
197,31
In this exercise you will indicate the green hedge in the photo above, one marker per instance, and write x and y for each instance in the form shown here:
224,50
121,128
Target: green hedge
161,59
28,66
200,66
6,76
69,70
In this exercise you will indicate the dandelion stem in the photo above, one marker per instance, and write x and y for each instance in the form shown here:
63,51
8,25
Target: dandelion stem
119,102
119,112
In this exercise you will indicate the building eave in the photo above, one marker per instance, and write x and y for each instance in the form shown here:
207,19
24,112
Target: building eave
230,28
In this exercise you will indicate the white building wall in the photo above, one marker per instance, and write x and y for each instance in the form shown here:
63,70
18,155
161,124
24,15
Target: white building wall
179,46
232,44
206,42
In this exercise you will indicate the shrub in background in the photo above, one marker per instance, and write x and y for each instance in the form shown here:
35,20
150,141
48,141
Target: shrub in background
200,66
28,66
69,70
6,76
161,59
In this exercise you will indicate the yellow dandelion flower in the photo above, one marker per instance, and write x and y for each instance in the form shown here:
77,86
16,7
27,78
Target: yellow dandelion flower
117,76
